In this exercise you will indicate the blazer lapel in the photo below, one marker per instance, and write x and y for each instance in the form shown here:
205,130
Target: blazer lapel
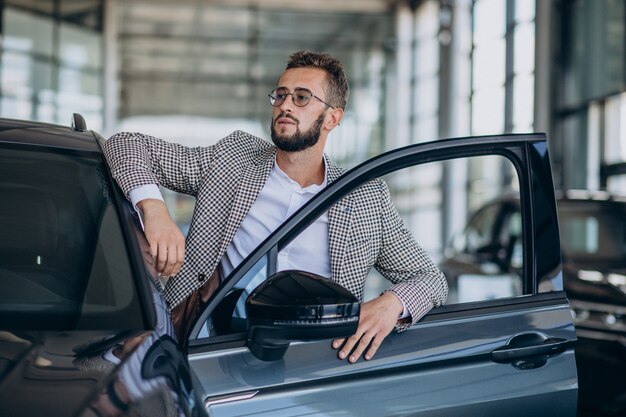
339,225
250,185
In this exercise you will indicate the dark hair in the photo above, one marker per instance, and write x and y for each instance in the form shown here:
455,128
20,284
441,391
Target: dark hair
337,94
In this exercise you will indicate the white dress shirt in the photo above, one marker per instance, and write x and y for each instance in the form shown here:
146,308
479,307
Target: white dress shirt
280,198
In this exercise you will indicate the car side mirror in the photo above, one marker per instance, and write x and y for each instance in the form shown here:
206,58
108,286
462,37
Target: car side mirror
297,305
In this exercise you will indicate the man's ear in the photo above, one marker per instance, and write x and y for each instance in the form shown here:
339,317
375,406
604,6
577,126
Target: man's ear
334,117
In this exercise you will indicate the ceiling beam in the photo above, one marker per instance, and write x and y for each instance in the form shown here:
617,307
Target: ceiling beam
331,6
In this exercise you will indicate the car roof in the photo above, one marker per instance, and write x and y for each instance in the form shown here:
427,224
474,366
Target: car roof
47,135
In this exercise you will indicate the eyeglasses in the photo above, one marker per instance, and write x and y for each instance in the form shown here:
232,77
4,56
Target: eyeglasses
300,96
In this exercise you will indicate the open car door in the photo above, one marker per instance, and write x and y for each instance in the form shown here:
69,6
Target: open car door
505,347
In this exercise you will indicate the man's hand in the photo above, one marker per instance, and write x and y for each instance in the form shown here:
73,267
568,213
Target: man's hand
378,318
167,243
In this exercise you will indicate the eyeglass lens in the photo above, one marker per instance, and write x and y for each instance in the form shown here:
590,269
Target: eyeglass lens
300,96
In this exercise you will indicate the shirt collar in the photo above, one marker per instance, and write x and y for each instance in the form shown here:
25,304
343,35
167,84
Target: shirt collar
313,188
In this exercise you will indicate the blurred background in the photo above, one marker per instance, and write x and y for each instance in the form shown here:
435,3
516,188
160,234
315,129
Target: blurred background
192,71
195,70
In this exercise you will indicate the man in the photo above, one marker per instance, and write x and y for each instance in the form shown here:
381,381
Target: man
245,188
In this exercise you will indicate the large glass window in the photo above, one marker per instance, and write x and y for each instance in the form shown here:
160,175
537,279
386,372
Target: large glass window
425,120
588,106
488,67
503,63
615,140
523,66
51,64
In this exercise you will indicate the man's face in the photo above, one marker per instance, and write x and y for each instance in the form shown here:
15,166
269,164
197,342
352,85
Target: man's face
296,128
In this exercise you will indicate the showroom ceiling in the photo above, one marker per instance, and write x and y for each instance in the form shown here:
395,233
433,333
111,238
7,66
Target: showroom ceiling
221,58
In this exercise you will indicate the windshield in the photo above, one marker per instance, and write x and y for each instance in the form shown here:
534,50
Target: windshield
593,231
63,259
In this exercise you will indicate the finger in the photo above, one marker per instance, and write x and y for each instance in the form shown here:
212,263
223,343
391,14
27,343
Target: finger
360,348
337,343
161,258
373,348
154,249
172,259
350,343
176,254
180,257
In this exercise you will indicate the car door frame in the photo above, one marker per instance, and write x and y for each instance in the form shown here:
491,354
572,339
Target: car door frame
542,262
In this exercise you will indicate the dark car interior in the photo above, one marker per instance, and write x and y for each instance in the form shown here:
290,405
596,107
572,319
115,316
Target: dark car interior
53,222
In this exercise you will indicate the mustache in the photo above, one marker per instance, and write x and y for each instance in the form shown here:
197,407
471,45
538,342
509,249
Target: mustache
287,115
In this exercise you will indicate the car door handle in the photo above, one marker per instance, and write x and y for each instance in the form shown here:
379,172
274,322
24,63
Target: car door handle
530,350
229,398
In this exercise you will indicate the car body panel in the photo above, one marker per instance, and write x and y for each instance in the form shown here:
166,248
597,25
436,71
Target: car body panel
434,368
40,377
49,135
70,373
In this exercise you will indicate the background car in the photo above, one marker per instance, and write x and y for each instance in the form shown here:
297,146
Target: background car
84,331
593,241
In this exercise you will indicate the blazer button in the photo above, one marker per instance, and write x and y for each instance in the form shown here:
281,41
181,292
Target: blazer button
201,277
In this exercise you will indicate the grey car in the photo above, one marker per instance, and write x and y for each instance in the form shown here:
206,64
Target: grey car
78,291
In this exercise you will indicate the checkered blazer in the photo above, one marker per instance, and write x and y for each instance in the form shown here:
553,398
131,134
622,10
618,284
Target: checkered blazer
365,229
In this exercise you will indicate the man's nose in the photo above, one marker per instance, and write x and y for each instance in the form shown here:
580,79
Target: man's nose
288,103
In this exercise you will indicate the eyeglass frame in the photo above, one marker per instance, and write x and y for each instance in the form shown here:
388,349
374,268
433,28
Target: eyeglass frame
272,98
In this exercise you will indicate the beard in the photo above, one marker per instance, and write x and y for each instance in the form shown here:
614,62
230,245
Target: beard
299,141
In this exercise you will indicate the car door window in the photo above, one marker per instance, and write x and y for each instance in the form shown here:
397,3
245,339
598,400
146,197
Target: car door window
63,260
489,266
230,315
486,258
479,232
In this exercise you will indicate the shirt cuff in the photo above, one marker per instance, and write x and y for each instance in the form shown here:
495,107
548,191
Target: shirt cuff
144,192
405,312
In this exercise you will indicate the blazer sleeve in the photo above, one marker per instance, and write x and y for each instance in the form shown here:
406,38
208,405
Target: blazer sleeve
136,159
416,279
